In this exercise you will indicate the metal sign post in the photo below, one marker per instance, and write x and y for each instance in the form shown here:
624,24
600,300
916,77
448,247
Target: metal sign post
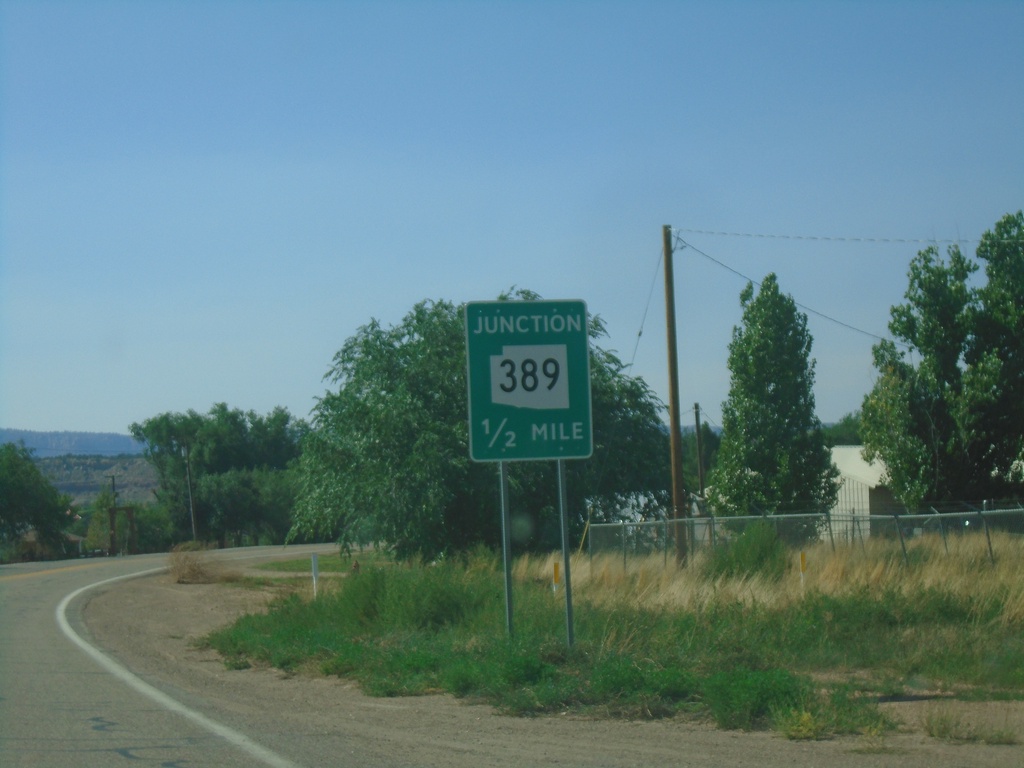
506,545
563,511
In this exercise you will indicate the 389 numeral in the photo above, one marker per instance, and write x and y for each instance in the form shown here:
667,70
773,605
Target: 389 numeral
527,376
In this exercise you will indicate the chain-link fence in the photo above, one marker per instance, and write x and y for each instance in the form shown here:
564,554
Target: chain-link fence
662,537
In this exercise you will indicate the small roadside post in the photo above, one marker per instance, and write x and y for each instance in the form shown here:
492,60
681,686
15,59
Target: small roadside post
316,573
528,371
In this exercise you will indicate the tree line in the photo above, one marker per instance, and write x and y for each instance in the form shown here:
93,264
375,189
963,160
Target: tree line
384,459
226,475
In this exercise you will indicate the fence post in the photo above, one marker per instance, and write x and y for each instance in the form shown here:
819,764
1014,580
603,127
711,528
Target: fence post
988,537
624,547
899,530
942,530
859,533
590,546
828,520
665,539
590,537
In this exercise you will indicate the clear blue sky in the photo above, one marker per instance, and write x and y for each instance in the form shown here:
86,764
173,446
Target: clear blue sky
200,201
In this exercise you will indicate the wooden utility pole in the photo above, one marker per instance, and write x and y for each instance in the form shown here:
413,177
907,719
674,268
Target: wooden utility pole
133,533
700,450
188,480
675,437
112,550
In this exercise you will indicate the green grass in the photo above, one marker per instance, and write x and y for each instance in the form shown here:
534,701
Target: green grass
757,550
401,631
809,668
333,563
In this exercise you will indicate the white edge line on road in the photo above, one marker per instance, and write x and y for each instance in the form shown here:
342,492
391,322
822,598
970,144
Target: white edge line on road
239,740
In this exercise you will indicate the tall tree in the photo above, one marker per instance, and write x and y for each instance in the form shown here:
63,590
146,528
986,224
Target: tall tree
773,457
909,419
945,414
28,501
388,458
170,439
996,352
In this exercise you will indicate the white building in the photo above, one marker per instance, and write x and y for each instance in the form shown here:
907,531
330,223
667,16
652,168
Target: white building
861,493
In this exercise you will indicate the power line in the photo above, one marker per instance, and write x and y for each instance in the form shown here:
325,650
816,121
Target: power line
643,320
828,238
705,417
679,240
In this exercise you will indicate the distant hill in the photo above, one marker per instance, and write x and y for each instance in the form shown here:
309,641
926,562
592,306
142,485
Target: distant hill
84,477
49,444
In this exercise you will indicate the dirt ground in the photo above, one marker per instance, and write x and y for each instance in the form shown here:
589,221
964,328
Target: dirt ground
150,625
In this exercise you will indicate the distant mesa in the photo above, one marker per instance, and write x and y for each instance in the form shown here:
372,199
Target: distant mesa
49,444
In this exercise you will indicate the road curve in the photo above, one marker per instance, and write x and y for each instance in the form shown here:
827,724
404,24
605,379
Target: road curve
63,702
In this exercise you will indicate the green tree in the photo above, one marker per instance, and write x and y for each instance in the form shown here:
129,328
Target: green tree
28,501
846,431
709,443
98,534
155,529
170,439
388,459
996,352
773,457
238,464
945,414
248,504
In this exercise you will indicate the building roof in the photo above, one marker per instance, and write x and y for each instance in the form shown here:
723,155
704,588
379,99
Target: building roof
851,463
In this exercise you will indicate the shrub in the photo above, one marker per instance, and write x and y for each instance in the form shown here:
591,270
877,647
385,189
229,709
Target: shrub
524,668
742,698
357,604
616,675
189,565
755,551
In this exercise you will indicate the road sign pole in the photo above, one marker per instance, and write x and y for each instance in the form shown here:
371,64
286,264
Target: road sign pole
563,510
506,545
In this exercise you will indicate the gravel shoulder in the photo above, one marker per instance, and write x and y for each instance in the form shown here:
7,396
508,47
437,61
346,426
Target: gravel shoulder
150,625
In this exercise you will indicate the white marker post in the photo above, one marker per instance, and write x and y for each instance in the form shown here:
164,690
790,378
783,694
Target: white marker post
316,573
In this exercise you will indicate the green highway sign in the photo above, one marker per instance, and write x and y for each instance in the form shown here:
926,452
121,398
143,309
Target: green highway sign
529,380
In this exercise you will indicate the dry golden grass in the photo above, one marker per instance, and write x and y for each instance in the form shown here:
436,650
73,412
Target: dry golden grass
191,564
950,723
877,565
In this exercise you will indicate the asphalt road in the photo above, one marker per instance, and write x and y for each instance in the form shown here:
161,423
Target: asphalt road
64,702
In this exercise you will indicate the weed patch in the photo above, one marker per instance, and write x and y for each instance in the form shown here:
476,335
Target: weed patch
945,723
742,649
743,698
758,550
189,564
